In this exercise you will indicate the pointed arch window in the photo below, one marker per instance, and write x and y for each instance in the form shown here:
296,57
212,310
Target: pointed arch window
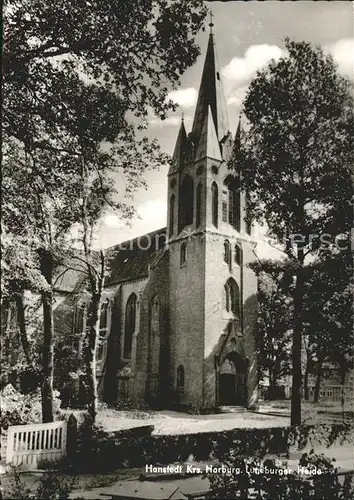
79,328
180,379
238,254
248,218
199,205
80,314
186,202
183,254
172,214
130,321
235,209
155,335
103,331
214,204
224,205
232,297
227,253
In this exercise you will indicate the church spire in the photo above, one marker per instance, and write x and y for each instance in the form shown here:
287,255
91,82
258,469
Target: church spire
210,95
177,157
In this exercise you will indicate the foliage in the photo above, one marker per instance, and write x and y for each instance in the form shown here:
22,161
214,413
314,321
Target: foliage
271,479
67,373
51,487
328,315
137,409
296,158
18,408
77,93
274,329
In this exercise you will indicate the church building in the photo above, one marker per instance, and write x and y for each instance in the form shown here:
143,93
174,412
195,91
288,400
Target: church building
179,310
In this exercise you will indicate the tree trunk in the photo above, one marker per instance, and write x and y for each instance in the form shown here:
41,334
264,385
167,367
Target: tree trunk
306,379
342,382
296,349
90,354
318,382
22,326
48,338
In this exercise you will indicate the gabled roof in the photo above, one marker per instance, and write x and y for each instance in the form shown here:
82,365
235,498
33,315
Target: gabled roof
127,261
133,258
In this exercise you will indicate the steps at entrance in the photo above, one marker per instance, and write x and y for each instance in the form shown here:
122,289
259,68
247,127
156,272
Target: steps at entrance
232,409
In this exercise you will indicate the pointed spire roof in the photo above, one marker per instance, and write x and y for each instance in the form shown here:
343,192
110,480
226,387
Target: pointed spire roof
237,140
208,144
181,142
211,95
237,145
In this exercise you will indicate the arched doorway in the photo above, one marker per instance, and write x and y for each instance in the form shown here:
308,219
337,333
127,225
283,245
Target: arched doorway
233,380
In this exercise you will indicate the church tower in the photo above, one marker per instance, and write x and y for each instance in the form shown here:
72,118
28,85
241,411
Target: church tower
212,292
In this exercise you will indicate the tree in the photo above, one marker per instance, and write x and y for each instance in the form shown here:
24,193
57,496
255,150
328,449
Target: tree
296,157
74,74
328,316
274,323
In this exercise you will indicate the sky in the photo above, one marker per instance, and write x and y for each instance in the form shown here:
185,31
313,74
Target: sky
247,36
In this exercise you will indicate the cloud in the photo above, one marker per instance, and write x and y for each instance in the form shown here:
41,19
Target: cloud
343,54
186,98
112,221
241,70
153,214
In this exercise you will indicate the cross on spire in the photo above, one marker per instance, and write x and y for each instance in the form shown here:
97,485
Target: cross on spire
211,24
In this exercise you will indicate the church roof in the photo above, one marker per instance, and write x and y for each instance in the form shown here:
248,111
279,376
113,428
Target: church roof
211,95
208,142
177,157
127,261
133,258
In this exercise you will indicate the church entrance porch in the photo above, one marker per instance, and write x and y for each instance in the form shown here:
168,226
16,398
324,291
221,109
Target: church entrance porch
232,381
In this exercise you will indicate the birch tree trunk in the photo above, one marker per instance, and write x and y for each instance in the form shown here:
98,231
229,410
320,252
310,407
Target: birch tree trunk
48,337
22,327
90,354
318,382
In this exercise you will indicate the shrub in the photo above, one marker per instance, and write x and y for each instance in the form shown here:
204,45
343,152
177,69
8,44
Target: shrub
136,409
51,487
18,408
270,480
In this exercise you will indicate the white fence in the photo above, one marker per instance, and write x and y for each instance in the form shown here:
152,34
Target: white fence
27,445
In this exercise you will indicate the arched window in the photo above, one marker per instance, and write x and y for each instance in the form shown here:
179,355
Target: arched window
238,254
103,334
130,320
224,205
79,328
155,335
232,297
248,218
227,253
180,379
235,209
172,214
79,319
183,254
214,204
103,316
186,202
199,205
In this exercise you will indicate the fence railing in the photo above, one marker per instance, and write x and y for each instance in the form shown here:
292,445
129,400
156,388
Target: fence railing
31,444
